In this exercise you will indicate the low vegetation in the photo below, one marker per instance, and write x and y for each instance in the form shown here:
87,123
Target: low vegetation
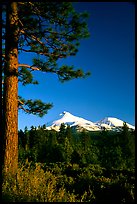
68,166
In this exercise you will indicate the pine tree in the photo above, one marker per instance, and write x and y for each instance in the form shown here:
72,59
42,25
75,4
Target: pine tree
128,146
62,134
10,96
50,30
1,112
69,134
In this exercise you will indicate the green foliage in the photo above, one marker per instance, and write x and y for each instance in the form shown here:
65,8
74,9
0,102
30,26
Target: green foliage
61,135
36,107
108,149
89,166
64,182
26,77
34,185
50,31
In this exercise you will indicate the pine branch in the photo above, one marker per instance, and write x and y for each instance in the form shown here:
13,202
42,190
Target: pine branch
21,3
28,66
37,52
20,102
32,37
25,76
24,109
42,53
44,49
36,107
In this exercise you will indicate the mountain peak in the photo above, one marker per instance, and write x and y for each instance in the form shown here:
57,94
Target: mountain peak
65,113
80,123
74,121
113,122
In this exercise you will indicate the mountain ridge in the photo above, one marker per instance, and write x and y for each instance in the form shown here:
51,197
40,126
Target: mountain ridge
109,123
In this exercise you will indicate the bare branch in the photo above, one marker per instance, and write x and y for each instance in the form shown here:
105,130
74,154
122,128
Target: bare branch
21,3
33,37
20,102
36,68
42,53
26,110
28,66
31,3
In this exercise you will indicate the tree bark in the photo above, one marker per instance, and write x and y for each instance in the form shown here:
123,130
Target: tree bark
1,115
11,90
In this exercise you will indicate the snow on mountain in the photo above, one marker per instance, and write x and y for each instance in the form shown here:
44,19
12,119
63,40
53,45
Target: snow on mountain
110,122
69,119
79,123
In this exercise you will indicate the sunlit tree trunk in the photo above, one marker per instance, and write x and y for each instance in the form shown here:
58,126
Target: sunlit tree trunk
11,90
1,135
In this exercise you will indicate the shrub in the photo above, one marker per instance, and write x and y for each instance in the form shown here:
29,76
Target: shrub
34,185
64,182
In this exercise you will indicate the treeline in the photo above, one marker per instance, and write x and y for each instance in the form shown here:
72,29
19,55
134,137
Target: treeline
70,166
108,149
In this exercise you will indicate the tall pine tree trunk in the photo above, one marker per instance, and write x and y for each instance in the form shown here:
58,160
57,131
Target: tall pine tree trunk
1,116
11,90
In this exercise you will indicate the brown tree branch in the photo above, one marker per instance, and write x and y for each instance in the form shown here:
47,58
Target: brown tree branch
29,111
32,37
28,66
42,53
21,107
36,68
21,3
20,102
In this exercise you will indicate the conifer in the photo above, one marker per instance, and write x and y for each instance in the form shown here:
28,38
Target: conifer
49,30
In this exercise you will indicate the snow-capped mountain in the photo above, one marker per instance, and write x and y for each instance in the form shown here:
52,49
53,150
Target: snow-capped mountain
110,123
79,123
74,121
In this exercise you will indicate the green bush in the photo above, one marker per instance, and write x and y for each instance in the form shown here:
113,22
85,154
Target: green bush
89,166
64,182
34,185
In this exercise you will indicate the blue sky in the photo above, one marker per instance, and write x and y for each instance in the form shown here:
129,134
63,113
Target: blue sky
109,54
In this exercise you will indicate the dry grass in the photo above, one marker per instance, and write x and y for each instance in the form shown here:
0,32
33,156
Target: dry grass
35,185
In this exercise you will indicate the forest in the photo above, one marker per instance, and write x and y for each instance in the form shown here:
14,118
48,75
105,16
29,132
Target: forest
71,166
39,165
